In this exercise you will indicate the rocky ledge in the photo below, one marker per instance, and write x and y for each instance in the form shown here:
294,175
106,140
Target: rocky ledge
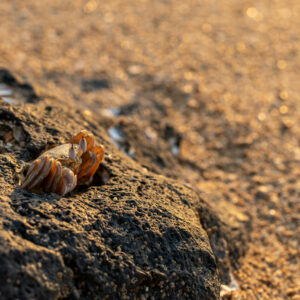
139,236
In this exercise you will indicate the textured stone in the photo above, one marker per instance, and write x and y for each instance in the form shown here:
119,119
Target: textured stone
137,236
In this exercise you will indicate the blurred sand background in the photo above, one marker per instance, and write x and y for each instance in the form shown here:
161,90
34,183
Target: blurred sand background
227,76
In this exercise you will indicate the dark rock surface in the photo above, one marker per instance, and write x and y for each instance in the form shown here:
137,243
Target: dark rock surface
137,236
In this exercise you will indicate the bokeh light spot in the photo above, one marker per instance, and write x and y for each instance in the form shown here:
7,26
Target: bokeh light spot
283,95
281,64
90,6
283,109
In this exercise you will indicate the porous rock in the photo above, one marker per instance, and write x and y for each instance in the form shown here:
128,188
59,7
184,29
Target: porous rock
136,237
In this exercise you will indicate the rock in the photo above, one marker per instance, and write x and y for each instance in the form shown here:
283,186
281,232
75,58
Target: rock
226,228
138,236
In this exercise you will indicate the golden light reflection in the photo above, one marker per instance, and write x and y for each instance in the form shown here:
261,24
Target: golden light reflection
253,13
261,116
188,75
90,6
283,95
283,109
281,64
